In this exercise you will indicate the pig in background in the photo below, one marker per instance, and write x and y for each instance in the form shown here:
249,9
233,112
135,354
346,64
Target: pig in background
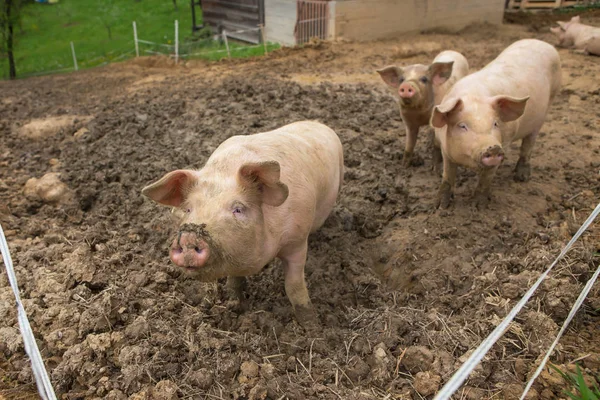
258,197
484,112
574,34
421,87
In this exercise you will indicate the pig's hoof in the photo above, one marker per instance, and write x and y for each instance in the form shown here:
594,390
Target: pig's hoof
482,200
522,172
307,317
407,159
445,196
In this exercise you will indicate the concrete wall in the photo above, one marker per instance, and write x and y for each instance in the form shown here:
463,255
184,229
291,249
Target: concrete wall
374,19
280,19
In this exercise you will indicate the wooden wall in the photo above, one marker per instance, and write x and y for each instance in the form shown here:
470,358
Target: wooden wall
374,19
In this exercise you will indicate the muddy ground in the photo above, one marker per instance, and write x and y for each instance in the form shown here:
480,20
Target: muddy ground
403,291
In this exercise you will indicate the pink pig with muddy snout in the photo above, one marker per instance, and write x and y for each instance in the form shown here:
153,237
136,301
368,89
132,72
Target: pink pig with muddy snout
258,197
484,112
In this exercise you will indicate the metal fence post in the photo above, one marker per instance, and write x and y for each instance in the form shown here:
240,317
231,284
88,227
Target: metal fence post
226,43
74,57
176,41
135,40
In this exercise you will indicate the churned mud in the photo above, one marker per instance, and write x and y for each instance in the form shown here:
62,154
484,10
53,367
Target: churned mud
403,291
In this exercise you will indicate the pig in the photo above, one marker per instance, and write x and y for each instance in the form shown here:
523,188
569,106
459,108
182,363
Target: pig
592,47
258,197
484,112
421,87
574,34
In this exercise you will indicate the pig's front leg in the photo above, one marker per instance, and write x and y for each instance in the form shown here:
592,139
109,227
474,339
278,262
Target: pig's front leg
523,168
446,192
294,260
436,154
412,130
236,286
482,194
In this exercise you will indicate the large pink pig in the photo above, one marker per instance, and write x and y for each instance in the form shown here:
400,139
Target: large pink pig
577,35
421,87
257,198
484,112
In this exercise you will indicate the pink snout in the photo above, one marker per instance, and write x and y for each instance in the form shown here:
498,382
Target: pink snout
189,251
493,156
406,90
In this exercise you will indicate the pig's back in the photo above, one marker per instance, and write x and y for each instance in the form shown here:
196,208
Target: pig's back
460,69
310,155
528,67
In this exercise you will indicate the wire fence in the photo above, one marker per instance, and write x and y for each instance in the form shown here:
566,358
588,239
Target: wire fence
83,55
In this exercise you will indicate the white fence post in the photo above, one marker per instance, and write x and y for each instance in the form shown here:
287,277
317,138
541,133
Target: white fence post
226,43
74,58
264,39
135,40
176,41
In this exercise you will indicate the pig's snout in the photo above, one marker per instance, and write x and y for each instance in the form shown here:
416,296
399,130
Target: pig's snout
189,251
406,90
493,156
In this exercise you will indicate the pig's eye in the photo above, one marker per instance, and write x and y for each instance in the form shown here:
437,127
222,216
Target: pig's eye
238,210
400,79
188,210
424,79
463,126
495,124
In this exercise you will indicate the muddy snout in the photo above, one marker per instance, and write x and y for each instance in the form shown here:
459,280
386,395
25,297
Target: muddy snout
407,92
493,156
188,250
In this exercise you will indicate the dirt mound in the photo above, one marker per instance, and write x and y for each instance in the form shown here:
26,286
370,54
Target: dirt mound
403,292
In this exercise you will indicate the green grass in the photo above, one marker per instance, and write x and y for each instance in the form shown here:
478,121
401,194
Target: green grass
576,381
43,39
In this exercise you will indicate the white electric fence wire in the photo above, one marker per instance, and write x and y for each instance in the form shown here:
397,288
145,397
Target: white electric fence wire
586,290
465,370
37,364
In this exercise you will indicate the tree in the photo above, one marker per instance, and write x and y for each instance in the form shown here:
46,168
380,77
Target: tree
10,16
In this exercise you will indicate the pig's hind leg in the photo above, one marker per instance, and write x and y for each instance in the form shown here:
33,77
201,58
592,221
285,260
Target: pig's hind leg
523,168
293,258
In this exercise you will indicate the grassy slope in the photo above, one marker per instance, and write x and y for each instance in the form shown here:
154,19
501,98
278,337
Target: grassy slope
47,30
43,42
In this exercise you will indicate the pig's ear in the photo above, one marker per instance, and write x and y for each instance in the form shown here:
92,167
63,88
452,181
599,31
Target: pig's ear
576,19
509,108
391,75
265,176
172,188
557,30
441,113
563,25
440,72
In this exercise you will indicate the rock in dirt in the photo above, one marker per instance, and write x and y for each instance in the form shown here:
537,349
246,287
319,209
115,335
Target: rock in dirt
427,383
258,392
10,340
48,188
514,391
80,133
42,128
202,378
165,390
417,359
248,371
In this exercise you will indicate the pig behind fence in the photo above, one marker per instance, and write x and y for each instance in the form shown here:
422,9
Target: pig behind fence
257,197
421,87
484,112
